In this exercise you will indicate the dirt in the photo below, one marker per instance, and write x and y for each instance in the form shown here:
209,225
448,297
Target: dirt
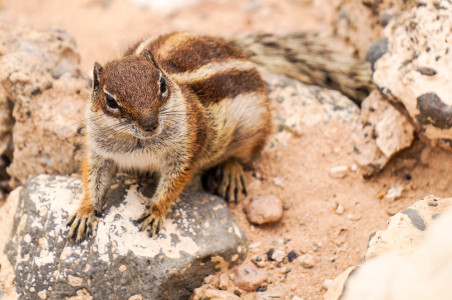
311,223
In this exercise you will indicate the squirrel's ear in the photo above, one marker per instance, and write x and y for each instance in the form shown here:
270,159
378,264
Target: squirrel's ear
147,54
97,72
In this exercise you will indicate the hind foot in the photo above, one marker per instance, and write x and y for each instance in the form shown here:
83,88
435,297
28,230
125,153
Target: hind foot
232,183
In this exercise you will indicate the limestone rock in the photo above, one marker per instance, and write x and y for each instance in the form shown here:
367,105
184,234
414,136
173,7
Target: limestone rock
199,238
248,277
362,22
407,228
385,131
422,273
416,68
42,99
264,209
408,260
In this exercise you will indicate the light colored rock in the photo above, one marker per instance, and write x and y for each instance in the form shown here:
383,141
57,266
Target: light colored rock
407,228
264,209
422,273
248,277
339,172
416,68
258,261
361,22
42,91
307,261
279,255
339,209
409,260
336,287
385,131
180,256
394,193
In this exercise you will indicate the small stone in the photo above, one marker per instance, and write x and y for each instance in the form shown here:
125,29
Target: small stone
316,247
278,255
287,205
277,243
338,172
339,209
223,281
307,261
203,293
297,298
278,181
264,209
292,256
270,254
394,193
258,261
248,277
326,284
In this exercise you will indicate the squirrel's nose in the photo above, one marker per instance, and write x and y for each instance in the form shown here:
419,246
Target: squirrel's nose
150,125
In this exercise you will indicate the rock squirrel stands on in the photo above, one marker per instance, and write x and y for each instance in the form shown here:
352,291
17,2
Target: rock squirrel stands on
180,103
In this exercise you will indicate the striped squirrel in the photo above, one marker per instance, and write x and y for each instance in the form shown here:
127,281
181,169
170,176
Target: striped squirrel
181,103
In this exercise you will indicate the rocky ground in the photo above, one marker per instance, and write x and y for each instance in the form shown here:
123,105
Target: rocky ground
310,165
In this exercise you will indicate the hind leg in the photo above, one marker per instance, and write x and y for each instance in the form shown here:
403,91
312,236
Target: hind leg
232,180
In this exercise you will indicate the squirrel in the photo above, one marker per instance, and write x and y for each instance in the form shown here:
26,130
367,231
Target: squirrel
181,103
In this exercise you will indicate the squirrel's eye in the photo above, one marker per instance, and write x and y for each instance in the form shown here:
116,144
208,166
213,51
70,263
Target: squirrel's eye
162,86
111,102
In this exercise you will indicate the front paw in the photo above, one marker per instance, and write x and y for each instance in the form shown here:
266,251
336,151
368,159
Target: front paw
151,219
81,225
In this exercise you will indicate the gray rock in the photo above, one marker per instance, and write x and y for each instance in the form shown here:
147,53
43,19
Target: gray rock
198,237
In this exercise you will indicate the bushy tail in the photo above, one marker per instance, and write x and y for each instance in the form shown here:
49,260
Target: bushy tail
310,59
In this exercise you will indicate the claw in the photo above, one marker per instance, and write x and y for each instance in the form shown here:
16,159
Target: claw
232,184
151,221
81,226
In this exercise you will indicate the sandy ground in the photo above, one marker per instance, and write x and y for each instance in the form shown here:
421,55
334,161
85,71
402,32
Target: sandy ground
104,28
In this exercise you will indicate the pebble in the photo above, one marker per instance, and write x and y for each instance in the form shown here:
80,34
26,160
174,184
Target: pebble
297,298
316,246
264,209
277,243
287,205
278,255
223,281
203,293
278,181
258,261
248,277
307,261
338,172
339,209
292,256
394,193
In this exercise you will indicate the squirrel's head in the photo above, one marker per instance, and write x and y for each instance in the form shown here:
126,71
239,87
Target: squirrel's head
130,92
